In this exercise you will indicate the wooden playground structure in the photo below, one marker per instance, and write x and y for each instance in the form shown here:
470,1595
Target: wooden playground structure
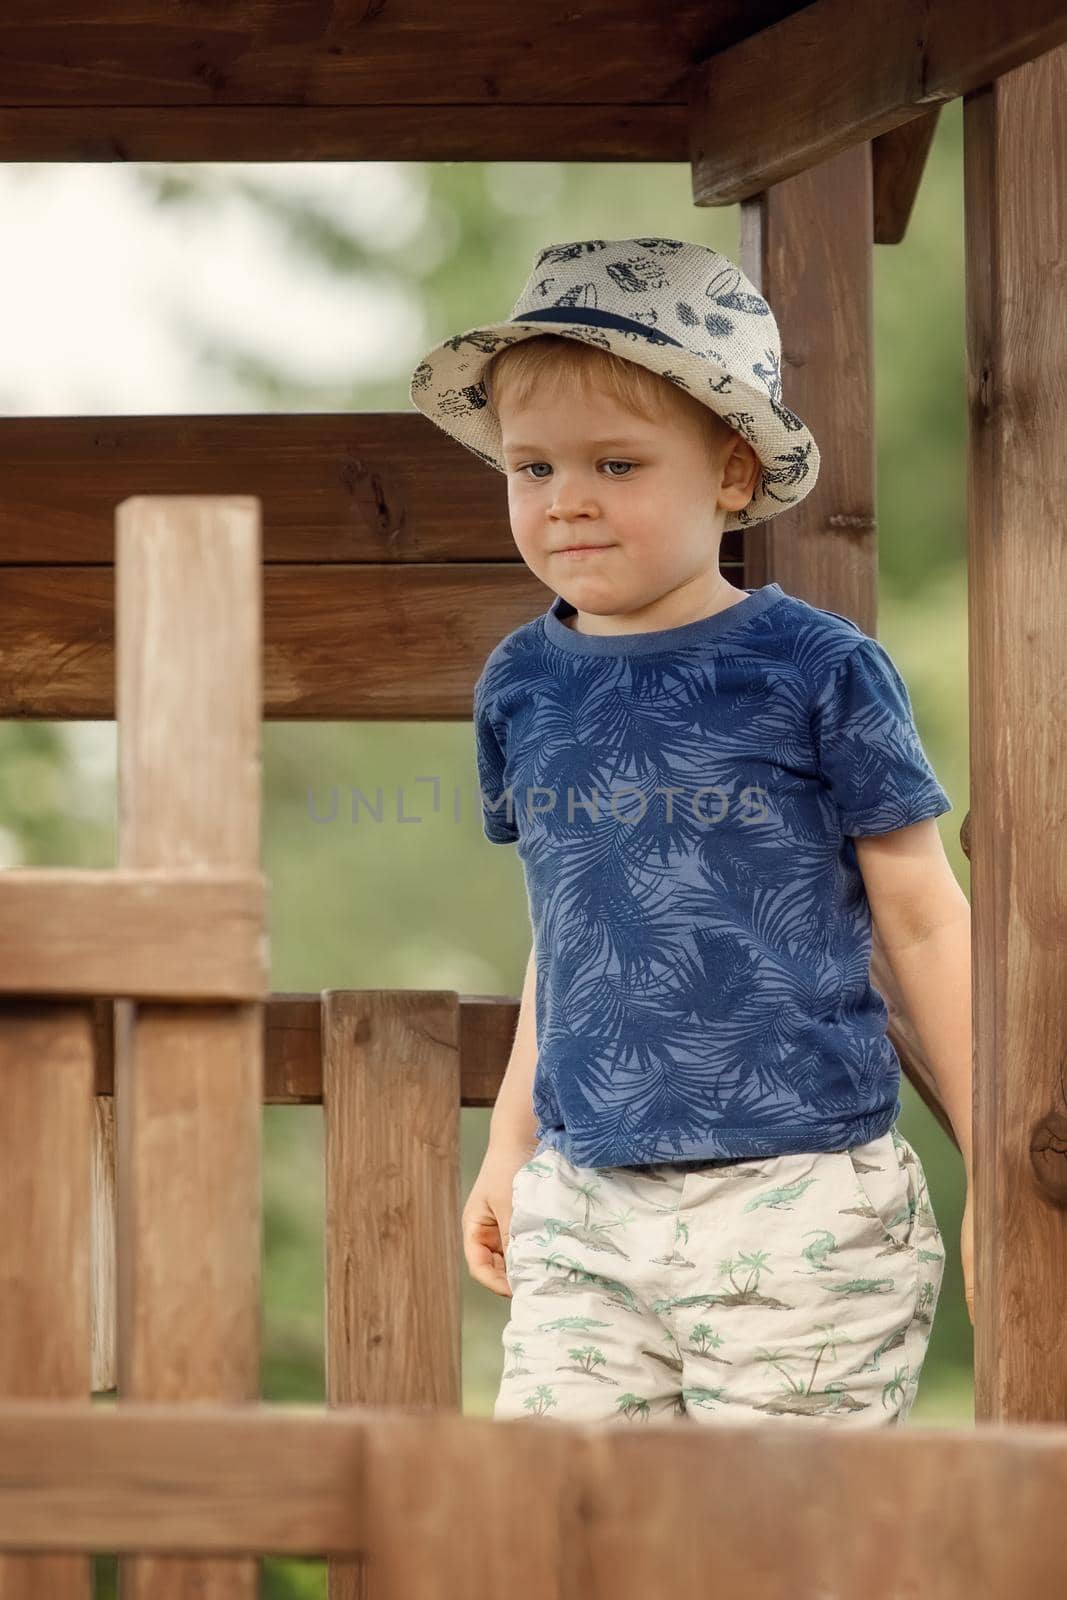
188,576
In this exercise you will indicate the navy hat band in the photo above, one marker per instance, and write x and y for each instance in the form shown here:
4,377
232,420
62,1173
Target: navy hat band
597,319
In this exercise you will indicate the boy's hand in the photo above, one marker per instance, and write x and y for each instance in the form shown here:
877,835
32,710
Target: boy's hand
487,1217
967,1254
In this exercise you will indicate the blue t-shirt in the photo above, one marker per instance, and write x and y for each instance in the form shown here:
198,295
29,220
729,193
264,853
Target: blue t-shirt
684,803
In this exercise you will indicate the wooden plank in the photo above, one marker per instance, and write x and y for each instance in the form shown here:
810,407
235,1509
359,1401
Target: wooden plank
629,52
216,1478
898,160
585,131
293,1049
391,1119
189,1081
792,96
431,1499
46,1085
377,487
1015,162
807,245
390,1075
142,934
368,642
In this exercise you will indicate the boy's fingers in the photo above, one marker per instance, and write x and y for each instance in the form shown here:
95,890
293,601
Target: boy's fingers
487,1268
485,1258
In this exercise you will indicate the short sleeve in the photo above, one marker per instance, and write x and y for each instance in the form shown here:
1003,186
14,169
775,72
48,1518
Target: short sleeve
868,747
490,738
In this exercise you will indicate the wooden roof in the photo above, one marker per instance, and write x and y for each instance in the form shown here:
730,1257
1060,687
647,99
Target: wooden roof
748,92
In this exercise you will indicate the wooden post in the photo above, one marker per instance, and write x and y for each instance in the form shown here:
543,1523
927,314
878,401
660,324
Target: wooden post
1015,181
189,1078
391,1101
807,244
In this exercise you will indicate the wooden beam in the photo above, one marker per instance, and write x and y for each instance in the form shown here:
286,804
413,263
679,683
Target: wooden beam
293,1044
543,131
385,488
898,160
381,643
829,78
213,1478
375,487
431,1499
163,935
1015,225
596,82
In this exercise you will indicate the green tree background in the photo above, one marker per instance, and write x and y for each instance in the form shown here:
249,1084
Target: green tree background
386,904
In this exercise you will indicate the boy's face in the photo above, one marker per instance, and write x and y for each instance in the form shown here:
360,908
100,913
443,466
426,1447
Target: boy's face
644,502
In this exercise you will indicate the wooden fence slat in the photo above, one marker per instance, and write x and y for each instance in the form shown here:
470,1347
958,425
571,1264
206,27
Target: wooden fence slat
46,1113
394,1252
189,1080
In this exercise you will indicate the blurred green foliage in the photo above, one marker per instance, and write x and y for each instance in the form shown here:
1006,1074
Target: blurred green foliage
428,903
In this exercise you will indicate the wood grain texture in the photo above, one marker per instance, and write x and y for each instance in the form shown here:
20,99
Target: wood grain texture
587,131
133,932
293,1046
382,488
394,1253
46,1085
189,1080
337,487
807,245
898,161
466,1508
1015,179
792,96
380,643
319,53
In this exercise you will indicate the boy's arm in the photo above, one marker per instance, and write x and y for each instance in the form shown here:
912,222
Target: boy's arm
513,1124
923,920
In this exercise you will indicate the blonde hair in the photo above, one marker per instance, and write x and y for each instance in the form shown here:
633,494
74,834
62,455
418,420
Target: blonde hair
574,368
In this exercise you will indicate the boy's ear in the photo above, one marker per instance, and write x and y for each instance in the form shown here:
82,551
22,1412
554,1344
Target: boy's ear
740,472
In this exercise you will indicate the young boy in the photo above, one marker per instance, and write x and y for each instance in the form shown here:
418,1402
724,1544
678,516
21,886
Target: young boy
709,1210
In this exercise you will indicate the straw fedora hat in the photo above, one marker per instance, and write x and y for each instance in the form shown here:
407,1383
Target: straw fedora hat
682,310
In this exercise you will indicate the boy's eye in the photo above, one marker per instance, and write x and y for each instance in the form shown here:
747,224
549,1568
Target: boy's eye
539,478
